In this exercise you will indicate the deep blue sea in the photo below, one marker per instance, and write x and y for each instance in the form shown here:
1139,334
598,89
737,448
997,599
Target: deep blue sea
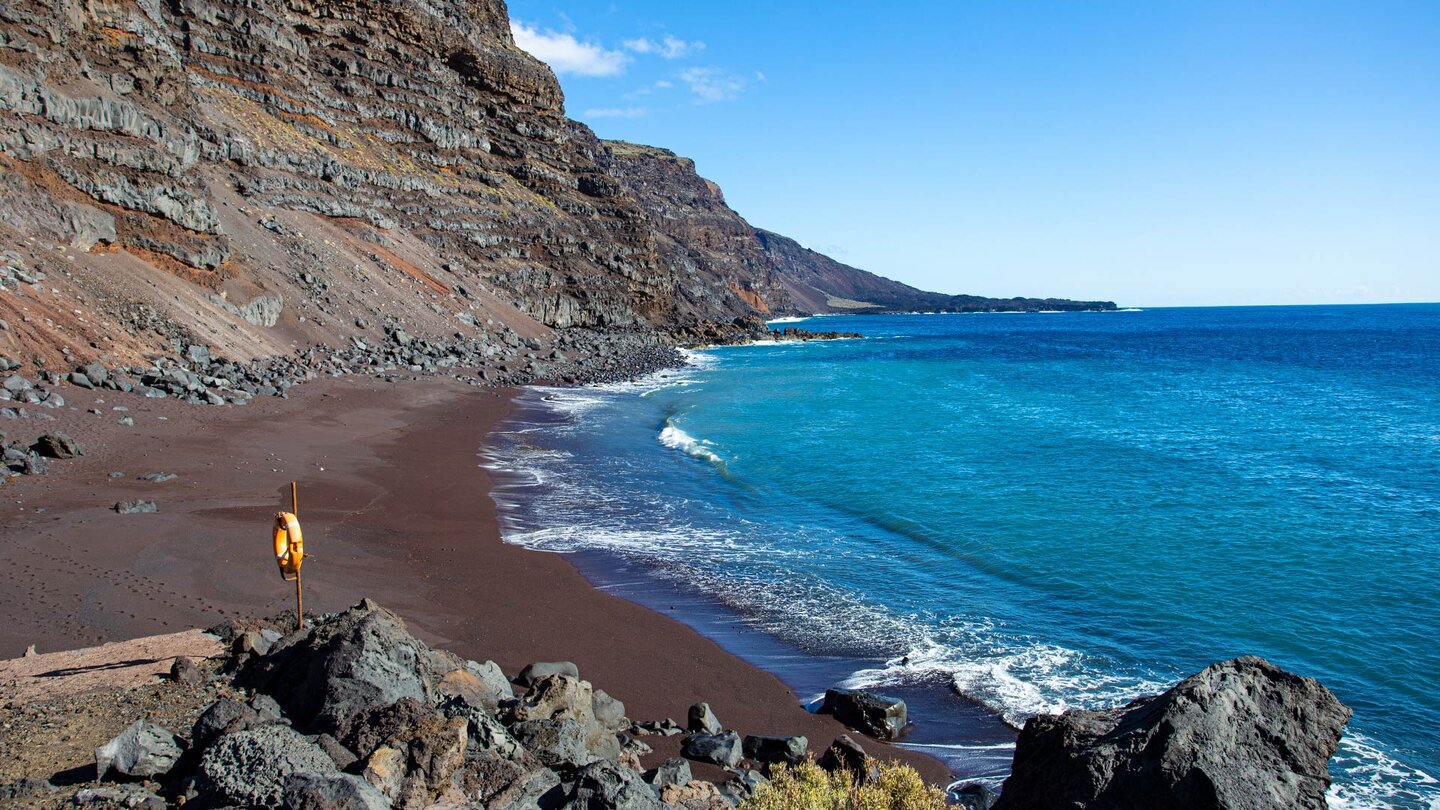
998,515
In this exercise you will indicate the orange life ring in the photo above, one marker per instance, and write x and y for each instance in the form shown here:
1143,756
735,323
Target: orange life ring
289,545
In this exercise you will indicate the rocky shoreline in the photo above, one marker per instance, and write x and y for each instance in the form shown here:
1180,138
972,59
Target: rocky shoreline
353,712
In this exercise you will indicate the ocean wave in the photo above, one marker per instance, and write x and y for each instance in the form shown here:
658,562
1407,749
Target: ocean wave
549,502
1375,780
677,439
1015,679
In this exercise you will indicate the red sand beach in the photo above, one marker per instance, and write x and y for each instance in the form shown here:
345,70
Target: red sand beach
394,506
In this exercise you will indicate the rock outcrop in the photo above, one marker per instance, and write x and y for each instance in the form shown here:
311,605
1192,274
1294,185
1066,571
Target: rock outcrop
260,175
1240,735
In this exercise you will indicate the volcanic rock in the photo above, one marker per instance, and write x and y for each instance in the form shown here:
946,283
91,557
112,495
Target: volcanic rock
1240,735
723,749
881,717
701,719
776,750
251,767
142,750
56,445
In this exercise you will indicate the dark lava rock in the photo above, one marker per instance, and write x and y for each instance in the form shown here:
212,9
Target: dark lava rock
673,771
339,668
612,786
540,670
881,717
844,754
560,744
776,750
185,670
224,716
722,749
331,791
366,731
1241,735
703,720
251,768
135,507
743,786
56,445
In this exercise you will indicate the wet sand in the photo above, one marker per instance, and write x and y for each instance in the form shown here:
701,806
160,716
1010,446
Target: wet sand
394,505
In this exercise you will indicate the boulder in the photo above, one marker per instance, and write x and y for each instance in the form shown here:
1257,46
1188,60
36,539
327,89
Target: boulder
610,786
608,711
135,507
723,749
498,779
776,750
703,720
480,684
560,744
485,732
697,795
1240,735
143,751
368,730
876,715
56,445
544,669
673,771
331,791
185,670
561,697
251,767
844,754
742,787
557,696
346,665
224,716
414,768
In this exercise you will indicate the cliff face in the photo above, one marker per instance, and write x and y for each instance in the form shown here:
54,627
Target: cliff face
272,173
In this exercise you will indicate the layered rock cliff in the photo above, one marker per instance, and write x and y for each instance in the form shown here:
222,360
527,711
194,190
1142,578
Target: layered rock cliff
270,174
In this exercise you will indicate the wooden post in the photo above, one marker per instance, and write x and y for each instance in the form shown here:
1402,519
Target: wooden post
299,599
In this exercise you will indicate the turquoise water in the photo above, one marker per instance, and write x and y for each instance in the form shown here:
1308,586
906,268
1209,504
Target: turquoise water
1045,511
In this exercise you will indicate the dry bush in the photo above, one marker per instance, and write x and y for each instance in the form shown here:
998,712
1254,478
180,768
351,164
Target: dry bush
809,787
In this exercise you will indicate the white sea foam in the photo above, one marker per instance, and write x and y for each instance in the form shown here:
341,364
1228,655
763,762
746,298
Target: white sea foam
673,437
738,564
790,319
1375,780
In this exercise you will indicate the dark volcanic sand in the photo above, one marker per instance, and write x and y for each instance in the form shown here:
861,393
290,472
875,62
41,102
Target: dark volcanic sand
394,506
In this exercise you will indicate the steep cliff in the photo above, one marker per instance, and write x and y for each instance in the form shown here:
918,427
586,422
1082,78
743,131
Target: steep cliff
269,174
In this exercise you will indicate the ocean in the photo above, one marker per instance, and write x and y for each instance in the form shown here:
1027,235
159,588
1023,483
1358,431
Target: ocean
1004,514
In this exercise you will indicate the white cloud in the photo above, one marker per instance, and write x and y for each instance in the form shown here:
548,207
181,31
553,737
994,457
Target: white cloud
641,92
616,112
712,84
666,48
566,54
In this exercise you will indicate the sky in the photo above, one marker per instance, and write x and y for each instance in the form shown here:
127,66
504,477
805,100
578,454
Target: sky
1150,153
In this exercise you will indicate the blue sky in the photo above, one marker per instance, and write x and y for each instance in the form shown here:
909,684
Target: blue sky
1155,154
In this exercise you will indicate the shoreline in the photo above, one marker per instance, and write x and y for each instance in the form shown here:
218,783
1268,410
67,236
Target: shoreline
973,741
393,499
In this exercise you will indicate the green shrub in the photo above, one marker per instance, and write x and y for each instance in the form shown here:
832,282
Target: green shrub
809,787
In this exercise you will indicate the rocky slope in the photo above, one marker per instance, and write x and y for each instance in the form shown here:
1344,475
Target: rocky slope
817,283
269,175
